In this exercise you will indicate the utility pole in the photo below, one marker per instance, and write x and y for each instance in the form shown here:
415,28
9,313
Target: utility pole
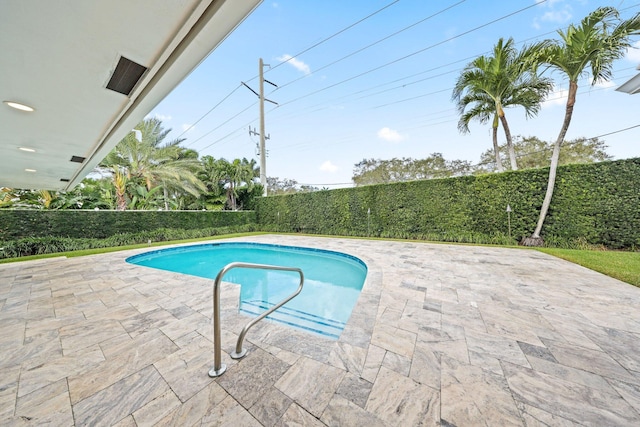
263,151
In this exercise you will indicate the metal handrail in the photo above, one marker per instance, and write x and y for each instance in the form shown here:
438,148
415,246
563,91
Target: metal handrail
219,368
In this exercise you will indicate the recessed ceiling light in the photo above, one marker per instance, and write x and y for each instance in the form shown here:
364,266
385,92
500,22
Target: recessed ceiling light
27,149
19,106
30,170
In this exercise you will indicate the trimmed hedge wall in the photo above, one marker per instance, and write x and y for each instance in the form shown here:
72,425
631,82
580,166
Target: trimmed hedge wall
596,203
17,224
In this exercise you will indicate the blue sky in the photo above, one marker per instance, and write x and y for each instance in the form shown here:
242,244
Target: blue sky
382,87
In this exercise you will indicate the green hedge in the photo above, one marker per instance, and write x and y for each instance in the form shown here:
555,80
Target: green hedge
18,224
595,203
48,245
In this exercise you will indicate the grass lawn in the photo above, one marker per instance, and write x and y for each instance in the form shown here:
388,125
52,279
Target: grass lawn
620,265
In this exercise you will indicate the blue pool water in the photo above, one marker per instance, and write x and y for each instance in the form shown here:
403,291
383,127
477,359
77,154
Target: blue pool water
332,282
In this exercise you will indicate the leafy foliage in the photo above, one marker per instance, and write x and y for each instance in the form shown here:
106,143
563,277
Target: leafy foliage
48,245
534,153
376,171
594,203
17,224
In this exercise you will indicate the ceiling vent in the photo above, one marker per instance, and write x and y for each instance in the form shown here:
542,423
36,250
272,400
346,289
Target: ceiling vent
126,76
78,159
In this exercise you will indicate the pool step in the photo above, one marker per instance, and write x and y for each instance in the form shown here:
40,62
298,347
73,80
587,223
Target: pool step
296,318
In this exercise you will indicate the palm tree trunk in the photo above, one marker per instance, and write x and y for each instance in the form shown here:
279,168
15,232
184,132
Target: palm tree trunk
535,239
507,134
166,196
496,149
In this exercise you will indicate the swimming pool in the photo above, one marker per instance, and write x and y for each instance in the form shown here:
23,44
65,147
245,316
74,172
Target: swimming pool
332,284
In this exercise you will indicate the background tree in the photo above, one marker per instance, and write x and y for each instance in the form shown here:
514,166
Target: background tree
377,171
589,48
535,153
287,186
489,84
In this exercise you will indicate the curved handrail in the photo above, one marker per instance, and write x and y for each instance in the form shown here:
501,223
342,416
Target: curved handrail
219,368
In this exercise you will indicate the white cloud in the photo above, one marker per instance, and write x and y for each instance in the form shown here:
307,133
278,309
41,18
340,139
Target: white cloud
558,12
296,63
162,117
606,84
557,97
633,53
328,167
187,127
391,135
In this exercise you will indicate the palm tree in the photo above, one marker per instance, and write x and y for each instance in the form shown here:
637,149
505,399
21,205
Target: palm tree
152,162
591,47
489,84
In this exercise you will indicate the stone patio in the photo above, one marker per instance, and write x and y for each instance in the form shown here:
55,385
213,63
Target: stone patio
441,335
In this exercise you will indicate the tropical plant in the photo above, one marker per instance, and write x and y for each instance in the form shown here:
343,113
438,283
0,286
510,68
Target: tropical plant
589,48
151,162
489,84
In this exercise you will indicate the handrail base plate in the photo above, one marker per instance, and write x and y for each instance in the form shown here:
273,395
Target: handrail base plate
217,372
240,355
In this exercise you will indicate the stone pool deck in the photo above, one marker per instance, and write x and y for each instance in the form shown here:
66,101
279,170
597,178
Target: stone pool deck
441,335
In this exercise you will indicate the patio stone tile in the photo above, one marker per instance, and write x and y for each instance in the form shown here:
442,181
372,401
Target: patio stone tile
47,405
343,413
195,408
533,416
393,339
270,407
578,376
398,400
539,352
58,368
397,363
372,363
177,328
629,392
425,366
229,413
347,357
8,390
497,347
355,389
569,400
594,361
186,370
129,358
622,346
297,416
470,393
117,401
154,411
248,380
87,333
300,384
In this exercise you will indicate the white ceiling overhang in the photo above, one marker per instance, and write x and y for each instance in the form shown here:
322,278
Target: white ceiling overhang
58,57
632,86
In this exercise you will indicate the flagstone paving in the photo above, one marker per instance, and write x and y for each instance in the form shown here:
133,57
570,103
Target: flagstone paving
441,335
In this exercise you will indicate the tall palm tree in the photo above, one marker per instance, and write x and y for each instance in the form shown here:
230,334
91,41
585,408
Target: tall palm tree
589,48
489,84
152,162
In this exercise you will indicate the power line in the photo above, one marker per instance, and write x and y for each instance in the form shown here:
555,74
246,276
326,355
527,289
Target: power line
414,53
207,113
374,43
335,34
